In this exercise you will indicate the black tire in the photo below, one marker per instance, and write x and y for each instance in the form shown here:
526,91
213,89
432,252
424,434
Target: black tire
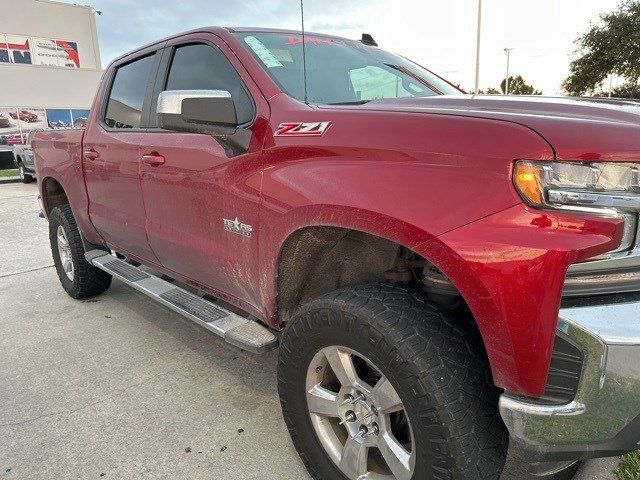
24,176
434,363
87,279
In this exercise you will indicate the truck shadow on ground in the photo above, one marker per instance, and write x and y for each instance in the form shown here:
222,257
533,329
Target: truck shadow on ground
256,372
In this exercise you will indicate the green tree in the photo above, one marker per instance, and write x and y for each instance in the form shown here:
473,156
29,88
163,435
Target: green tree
517,86
490,91
611,47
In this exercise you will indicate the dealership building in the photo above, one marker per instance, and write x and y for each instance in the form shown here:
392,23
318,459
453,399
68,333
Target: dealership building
49,66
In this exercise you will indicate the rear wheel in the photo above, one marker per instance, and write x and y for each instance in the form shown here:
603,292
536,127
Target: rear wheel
377,383
24,176
79,278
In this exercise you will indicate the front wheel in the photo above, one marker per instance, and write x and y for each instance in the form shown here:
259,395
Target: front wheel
79,278
24,176
377,383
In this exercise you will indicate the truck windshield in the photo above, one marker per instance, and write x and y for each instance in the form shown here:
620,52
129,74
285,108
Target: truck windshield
340,71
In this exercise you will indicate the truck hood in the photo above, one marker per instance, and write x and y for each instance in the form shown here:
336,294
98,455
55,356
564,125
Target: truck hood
576,128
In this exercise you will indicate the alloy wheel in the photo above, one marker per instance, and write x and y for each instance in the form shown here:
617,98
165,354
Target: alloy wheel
358,416
64,250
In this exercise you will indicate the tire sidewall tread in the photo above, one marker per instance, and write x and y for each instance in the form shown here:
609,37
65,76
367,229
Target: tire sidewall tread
433,362
88,280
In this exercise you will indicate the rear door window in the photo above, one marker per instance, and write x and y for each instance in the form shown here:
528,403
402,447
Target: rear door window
124,107
204,67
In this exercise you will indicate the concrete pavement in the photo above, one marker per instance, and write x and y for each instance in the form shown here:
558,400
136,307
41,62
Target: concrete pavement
120,387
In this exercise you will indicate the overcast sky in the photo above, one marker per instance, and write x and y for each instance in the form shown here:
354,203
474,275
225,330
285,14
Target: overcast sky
437,34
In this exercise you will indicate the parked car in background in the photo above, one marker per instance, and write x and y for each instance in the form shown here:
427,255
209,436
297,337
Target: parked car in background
4,121
15,139
436,262
25,116
24,160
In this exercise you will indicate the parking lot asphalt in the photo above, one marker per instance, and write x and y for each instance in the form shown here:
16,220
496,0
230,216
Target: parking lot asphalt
119,387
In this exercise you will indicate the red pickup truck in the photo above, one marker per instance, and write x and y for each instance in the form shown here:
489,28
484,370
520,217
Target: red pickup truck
452,280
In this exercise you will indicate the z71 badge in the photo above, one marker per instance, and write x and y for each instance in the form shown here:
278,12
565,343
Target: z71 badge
301,129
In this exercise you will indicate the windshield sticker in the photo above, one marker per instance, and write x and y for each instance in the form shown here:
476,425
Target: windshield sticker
263,53
283,55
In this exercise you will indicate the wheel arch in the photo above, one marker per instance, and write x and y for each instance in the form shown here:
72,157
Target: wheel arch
53,194
307,243
296,283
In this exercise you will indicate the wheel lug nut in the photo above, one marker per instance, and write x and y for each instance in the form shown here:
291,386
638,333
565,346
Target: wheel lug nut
348,417
347,399
363,432
374,430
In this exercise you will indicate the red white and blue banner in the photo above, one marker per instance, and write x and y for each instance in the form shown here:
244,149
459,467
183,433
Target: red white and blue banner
38,51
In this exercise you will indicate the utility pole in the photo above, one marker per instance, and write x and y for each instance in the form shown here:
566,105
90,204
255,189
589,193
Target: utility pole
477,89
610,85
508,52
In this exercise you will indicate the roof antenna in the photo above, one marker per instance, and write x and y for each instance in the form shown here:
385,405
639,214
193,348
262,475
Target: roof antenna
304,54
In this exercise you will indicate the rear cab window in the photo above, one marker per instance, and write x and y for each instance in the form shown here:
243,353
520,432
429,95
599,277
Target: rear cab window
127,94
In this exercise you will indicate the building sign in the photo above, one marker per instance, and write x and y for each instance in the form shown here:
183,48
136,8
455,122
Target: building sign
38,51
17,48
4,52
79,118
17,122
59,118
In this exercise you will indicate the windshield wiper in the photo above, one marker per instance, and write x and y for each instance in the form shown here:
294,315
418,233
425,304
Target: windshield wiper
355,102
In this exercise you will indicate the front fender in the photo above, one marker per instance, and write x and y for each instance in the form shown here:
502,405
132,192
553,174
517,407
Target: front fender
441,186
510,268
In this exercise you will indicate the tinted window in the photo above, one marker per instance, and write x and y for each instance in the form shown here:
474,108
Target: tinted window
372,83
124,109
340,71
203,67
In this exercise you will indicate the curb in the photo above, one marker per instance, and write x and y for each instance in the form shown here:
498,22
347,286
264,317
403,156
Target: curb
9,180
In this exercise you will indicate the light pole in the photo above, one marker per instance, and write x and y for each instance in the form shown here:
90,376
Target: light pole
508,52
477,89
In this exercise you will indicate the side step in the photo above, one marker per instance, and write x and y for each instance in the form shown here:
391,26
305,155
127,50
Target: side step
235,329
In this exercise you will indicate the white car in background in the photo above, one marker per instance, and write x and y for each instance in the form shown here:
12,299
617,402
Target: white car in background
23,158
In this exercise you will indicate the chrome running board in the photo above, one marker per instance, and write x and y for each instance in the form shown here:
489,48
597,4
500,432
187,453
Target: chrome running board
234,329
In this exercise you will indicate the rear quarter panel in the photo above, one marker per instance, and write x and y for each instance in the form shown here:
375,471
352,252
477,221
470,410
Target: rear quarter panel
58,156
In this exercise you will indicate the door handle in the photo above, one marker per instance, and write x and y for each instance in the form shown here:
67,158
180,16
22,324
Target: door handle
91,154
154,159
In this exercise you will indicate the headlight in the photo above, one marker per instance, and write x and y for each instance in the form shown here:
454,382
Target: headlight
600,188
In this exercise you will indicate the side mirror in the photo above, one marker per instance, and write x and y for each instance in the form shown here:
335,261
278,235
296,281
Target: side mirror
197,111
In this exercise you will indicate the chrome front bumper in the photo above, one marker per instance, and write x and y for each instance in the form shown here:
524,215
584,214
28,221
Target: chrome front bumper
618,274
604,417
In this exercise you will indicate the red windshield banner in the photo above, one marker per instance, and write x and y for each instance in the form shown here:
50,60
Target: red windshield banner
292,40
